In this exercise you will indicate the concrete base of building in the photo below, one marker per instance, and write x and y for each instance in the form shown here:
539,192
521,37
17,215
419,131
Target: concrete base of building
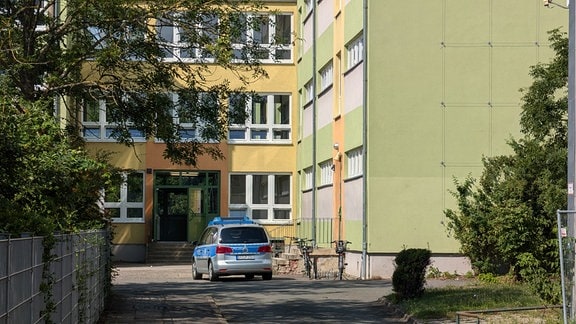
381,266
129,253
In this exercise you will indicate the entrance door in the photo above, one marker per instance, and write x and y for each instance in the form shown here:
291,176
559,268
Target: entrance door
172,214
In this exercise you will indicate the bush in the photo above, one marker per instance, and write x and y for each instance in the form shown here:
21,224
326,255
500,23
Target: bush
410,274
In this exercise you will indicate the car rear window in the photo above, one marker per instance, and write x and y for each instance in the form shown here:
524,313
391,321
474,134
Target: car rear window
243,235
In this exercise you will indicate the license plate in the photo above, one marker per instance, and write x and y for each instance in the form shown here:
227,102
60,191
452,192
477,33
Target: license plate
244,257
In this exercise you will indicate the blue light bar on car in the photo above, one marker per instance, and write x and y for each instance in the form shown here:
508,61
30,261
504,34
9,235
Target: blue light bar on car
231,220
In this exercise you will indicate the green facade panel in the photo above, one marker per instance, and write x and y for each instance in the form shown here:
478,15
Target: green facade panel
353,134
353,19
324,146
465,22
353,233
324,47
509,73
443,91
305,151
466,75
467,135
305,69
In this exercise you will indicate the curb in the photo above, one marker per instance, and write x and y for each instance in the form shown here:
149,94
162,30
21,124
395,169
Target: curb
406,318
217,310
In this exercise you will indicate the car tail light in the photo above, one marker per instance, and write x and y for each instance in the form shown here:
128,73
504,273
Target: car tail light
265,249
223,249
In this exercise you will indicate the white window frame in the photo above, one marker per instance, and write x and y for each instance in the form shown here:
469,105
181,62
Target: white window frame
269,46
265,133
98,35
186,127
124,204
326,76
176,46
355,162
308,175
355,52
326,172
101,128
308,92
248,207
308,7
46,7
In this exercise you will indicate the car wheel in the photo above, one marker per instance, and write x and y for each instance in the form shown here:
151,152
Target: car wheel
249,276
195,274
267,276
212,276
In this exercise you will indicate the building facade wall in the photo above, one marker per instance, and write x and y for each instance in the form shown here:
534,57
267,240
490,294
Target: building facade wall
273,159
443,91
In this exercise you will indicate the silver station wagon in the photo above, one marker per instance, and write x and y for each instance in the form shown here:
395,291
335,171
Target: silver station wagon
232,246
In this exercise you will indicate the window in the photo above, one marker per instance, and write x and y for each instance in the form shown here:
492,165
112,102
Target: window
308,7
176,46
188,126
128,39
237,189
264,197
308,92
308,177
326,76
326,172
45,11
125,203
271,33
355,162
355,50
96,125
269,120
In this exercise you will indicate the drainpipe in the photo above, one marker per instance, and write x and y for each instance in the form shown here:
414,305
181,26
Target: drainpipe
364,139
314,122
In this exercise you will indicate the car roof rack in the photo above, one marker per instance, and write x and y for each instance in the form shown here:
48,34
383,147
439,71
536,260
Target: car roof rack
218,220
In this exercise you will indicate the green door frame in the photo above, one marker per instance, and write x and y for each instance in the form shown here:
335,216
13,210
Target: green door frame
203,199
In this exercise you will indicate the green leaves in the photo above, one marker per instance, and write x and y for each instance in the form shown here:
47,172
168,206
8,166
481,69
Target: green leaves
505,219
45,184
110,50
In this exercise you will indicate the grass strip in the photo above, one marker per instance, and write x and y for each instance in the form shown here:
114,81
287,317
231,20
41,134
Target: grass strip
443,303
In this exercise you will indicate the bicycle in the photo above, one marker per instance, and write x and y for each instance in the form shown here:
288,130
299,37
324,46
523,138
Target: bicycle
305,250
341,251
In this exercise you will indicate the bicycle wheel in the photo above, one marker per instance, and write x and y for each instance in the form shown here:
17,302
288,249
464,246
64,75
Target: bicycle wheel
308,266
340,266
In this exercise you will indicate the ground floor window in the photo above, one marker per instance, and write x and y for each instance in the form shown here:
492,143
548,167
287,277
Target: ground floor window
262,197
124,203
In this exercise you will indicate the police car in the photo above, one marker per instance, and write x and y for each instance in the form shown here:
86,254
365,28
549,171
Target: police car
232,246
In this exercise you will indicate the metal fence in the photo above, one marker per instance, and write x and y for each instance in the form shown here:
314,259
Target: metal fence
324,230
78,276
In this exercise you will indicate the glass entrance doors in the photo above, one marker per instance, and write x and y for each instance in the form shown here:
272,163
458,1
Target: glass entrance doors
183,204
172,214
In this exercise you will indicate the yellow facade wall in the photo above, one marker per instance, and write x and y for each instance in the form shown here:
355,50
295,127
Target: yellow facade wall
121,155
125,233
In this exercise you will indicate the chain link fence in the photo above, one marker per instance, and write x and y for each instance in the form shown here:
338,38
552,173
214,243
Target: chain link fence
72,291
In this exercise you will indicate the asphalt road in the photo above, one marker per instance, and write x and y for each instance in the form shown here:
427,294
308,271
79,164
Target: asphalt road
167,294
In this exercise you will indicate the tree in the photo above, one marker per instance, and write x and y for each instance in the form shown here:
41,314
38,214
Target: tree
505,221
133,56
46,184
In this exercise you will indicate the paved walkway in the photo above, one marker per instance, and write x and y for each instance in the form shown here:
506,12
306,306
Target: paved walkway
157,306
128,307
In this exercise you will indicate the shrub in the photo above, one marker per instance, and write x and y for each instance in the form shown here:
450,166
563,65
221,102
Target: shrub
410,274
